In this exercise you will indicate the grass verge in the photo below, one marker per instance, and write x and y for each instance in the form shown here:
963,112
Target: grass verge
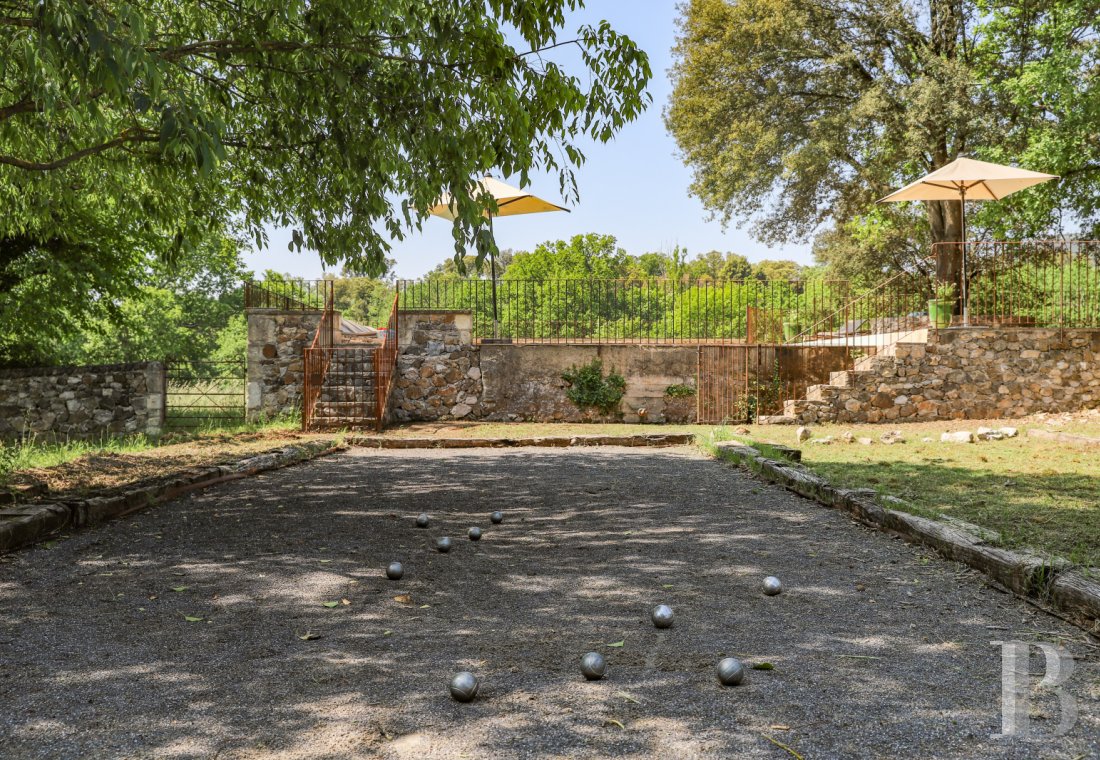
1037,494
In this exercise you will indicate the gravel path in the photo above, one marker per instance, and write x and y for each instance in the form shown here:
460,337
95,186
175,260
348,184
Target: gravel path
879,649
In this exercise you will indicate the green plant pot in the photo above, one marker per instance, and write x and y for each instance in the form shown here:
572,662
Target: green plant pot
940,311
791,330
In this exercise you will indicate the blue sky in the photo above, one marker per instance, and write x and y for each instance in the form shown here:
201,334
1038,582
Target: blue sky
634,187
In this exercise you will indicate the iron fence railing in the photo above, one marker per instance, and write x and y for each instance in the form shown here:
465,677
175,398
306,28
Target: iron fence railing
288,295
632,310
1030,283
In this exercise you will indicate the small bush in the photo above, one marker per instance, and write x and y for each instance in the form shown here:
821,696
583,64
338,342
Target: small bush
679,391
589,389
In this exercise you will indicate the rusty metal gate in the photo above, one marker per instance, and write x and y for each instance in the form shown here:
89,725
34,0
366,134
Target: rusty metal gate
742,382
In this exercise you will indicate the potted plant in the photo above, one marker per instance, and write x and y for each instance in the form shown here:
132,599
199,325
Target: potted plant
942,306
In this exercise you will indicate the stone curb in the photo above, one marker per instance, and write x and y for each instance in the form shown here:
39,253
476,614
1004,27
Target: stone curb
1048,580
383,442
22,525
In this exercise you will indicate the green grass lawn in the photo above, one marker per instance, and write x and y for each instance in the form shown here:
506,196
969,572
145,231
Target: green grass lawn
1036,493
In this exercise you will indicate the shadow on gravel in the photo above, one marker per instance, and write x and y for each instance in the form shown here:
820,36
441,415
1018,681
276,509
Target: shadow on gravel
199,628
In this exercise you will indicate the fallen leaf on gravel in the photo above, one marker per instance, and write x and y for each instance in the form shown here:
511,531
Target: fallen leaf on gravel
324,561
779,727
309,636
180,588
345,602
617,644
763,666
627,697
192,619
667,585
387,633
330,605
425,606
403,599
611,721
781,745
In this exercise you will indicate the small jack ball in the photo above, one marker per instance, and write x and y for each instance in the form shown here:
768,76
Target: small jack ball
730,671
464,686
497,518
422,521
443,545
395,571
772,586
593,666
662,616
474,534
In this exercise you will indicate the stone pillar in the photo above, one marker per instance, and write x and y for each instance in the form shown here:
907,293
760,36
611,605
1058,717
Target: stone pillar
274,376
156,401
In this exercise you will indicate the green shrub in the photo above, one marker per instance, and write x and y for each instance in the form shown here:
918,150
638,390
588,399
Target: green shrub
589,389
679,391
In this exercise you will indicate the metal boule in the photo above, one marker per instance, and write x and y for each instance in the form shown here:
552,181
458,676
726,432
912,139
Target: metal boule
464,686
730,671
662,616
593,666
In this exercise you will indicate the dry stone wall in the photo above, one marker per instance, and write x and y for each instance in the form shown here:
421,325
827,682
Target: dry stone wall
82,403
438,370
966,373
441,375
276,339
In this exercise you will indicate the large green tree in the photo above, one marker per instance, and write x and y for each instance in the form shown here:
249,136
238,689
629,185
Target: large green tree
801,113
130,129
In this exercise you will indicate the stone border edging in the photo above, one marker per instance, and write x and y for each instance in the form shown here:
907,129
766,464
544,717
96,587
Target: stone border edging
1051,581
647,439
33,522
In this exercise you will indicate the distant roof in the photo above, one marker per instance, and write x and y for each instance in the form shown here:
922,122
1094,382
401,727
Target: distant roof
350,327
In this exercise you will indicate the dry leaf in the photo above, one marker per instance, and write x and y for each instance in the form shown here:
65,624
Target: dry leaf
403,599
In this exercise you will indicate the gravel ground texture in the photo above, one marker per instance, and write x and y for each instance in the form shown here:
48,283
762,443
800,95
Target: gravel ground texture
199,628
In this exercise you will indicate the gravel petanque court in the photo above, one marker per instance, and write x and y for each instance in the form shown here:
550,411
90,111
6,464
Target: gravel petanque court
198,629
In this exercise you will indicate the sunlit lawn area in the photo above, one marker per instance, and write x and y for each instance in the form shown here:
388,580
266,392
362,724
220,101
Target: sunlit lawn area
1036,493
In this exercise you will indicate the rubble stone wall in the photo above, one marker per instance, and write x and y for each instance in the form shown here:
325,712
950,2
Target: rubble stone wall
82,403
967,373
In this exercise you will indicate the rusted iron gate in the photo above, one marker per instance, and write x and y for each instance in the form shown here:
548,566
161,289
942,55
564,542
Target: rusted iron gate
741,382
348,386
202,394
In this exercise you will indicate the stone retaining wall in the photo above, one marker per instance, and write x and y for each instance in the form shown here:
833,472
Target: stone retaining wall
82,403
967,373
441,375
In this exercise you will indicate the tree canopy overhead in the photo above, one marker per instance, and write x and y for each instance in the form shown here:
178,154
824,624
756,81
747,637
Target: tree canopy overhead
315,115
799,114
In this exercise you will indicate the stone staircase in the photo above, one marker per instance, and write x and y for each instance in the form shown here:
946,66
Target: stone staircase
347,398
831,402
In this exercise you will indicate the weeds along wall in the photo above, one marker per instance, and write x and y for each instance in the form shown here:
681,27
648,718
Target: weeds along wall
82,403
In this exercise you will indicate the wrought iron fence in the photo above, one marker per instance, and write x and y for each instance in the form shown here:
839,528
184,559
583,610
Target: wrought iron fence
1031,283
289,295
632,310
200,394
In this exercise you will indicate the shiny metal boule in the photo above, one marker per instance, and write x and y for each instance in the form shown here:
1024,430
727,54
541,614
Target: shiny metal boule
422,521
395,571
443,545
464,686
497,518
772,586
662,616
474,533
730,671
593,666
